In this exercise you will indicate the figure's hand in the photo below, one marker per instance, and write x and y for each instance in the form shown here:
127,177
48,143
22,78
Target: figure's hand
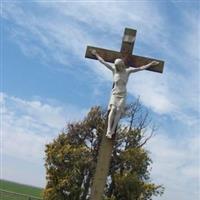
154,63
94,52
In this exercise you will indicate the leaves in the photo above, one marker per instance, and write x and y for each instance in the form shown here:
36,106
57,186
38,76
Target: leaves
71,159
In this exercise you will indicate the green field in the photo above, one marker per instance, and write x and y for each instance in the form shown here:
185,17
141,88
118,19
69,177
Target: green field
18,188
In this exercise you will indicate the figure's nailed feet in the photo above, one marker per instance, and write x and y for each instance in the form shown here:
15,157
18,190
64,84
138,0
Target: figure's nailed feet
109,135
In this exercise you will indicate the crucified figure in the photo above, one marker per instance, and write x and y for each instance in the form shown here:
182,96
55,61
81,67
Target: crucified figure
118,95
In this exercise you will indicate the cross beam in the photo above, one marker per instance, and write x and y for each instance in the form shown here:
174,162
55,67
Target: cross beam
125,53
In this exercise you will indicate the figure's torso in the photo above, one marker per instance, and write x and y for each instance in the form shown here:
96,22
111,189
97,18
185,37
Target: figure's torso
120,80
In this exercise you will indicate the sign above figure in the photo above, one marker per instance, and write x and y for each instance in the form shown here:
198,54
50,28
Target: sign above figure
124,64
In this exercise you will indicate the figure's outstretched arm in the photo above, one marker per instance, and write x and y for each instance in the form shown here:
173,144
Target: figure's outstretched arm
132,70
101,60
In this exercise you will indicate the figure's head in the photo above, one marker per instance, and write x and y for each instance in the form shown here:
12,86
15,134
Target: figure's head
119,64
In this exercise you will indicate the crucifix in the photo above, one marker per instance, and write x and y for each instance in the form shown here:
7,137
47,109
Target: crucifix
124,64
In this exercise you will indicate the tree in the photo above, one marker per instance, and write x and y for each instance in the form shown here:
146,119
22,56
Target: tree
71,158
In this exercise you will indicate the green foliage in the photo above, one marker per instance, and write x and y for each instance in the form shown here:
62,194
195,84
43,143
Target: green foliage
71,159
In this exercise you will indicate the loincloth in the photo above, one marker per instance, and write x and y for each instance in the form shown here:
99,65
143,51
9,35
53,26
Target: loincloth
118,102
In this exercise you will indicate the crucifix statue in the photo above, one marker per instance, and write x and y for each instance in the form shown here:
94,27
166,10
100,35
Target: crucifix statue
118,96
124,64
121,71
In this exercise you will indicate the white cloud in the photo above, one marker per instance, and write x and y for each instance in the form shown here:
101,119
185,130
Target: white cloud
168,94
64,33
176,165
153,91
28,125
64,39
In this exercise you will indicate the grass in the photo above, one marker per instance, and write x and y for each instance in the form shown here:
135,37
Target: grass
20,188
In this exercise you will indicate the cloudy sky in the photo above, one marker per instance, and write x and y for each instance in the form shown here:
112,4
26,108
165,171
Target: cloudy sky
46,81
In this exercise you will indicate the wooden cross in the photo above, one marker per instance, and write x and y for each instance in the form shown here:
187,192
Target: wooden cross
105,150
125,53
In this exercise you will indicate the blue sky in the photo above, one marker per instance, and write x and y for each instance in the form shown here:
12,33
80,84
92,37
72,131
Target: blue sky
46,81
